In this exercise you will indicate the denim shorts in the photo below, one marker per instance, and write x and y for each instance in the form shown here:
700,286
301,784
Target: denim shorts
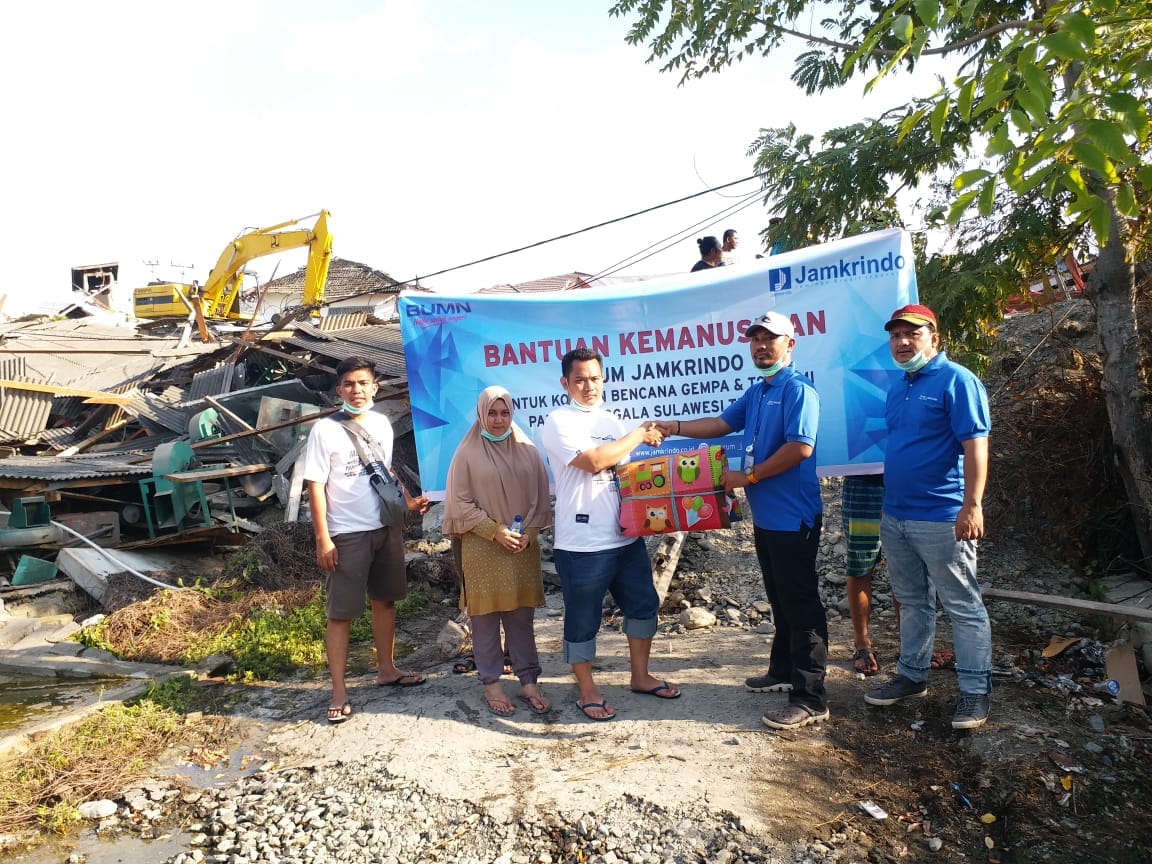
626,573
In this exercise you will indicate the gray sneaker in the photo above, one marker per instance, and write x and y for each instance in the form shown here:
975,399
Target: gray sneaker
971,711
766,684
897,688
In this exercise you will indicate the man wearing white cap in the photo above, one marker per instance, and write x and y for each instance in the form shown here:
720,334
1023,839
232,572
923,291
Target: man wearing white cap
779,416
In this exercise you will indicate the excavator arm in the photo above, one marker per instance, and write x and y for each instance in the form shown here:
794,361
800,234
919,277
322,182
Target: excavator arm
221,293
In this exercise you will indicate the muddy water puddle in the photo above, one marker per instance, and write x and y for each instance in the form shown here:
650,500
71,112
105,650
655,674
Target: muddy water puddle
26,700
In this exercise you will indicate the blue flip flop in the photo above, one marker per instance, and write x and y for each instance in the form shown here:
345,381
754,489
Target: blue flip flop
601,705
657,691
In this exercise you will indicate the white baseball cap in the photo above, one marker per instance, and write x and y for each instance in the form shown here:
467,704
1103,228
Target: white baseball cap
774,323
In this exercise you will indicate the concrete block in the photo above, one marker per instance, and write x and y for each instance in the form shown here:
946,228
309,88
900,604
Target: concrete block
15,629
90,568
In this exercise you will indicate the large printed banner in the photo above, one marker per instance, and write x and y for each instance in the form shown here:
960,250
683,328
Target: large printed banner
672,347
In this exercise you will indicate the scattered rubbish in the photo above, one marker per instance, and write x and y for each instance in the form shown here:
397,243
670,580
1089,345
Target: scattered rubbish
1057,645
1111,687
1065,762
917,726
935,844
989,843
1096,723
1066,782
1093,747
963,798
1120,661
988,818
872,809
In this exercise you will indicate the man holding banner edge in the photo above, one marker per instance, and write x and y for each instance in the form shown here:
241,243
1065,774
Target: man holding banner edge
779,419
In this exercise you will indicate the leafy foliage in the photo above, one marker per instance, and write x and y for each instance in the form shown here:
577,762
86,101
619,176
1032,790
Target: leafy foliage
1042,136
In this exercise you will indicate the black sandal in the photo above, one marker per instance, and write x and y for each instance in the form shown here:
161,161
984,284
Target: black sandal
464,665
866,656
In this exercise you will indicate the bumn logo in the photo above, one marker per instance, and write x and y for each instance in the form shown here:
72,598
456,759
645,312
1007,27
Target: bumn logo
780,279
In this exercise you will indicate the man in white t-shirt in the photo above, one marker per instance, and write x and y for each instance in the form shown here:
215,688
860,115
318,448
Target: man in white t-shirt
583,442
358,555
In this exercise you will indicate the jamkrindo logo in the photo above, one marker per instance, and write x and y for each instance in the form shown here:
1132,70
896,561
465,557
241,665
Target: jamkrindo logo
850,268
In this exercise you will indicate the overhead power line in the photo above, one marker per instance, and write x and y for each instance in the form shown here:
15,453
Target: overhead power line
607,222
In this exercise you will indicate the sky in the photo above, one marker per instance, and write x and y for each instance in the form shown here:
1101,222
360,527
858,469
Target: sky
436,132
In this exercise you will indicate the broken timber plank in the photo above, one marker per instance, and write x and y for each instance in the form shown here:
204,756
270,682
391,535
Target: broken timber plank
1070,604
292,511
93,396
664,562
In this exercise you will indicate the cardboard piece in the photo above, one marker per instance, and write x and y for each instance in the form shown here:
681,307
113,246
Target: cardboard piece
1057,645
1120,663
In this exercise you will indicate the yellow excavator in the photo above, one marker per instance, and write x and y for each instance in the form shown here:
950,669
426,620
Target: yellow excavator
219,298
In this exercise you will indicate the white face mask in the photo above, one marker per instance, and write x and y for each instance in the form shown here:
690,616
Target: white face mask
354,411
580,406
913,364
775,367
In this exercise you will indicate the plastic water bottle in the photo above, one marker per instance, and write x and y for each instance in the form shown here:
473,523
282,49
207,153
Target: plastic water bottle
517,526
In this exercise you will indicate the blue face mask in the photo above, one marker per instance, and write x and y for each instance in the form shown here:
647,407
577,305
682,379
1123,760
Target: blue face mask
495,439
356,411
913,364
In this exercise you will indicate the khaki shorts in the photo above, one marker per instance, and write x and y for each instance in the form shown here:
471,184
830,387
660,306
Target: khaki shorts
368,563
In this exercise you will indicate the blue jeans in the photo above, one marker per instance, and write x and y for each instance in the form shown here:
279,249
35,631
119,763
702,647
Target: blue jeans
926,561
585,577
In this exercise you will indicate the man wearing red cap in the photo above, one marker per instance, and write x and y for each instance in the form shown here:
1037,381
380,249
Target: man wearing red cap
779,416
935,470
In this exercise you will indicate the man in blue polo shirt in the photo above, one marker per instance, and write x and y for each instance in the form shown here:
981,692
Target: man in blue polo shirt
934,475
779,415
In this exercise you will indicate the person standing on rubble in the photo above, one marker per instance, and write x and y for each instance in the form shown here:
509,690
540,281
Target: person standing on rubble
360,555
779,417
497,502
935,470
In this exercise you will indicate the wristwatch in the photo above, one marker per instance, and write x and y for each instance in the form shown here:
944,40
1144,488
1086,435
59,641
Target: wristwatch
750,473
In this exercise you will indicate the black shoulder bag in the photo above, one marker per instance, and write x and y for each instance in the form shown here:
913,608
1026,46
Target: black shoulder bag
393,507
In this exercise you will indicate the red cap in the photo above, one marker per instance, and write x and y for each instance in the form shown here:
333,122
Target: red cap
913,314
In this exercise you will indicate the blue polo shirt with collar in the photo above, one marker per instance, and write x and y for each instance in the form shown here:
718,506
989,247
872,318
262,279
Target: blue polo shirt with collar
929,415
779,409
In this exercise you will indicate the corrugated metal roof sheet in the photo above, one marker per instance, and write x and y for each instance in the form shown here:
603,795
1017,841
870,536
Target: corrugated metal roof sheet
93,356
159,410
70,468
343,320
212,382
563,282
23,413
380,343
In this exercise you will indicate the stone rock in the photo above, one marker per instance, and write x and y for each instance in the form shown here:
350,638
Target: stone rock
705,594
696,618
762,606
451,640
101,809
216,666
766,627
733,615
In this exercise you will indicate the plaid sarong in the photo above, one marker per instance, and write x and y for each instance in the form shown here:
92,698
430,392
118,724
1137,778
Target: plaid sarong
861,503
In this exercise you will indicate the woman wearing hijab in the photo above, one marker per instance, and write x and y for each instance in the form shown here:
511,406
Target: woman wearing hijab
496,475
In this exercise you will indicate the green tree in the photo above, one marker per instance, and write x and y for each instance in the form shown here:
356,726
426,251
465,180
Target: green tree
1041,140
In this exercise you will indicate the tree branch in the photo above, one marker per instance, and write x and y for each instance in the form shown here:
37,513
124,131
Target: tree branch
1021,24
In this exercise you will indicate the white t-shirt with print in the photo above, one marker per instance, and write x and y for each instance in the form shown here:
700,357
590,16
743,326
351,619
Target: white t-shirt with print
587,505
331,458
